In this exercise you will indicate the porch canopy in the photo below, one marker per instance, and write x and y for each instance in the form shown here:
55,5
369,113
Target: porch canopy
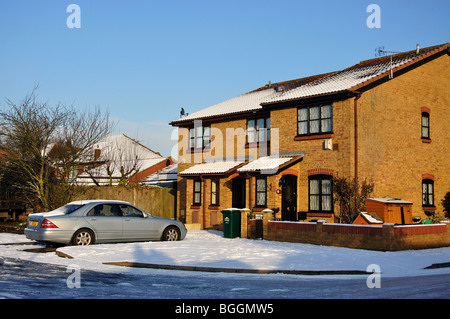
212,168
264,165
271,165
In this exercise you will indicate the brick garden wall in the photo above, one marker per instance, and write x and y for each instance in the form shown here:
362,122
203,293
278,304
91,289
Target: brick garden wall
386,237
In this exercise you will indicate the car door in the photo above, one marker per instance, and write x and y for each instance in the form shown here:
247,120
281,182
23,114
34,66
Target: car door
138,225
106,221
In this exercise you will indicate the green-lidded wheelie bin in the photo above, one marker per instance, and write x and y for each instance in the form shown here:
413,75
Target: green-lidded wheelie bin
231,222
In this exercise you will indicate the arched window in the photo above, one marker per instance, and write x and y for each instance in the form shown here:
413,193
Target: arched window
320,194
428,192
426,125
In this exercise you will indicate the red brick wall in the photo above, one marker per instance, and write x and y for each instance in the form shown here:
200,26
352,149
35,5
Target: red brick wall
384,238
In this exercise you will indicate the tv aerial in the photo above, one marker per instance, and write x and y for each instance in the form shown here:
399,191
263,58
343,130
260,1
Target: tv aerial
380,51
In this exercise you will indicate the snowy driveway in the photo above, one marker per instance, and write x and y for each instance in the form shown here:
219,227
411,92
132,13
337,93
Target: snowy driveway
210,249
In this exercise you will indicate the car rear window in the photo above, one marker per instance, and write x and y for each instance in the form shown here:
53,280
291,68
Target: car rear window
68,209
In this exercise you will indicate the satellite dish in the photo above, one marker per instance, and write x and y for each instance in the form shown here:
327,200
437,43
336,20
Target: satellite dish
182,112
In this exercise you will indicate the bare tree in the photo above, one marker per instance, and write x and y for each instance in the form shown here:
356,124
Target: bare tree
43,143
121,159
122,162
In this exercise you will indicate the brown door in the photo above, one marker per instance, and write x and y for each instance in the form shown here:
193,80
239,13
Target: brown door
238,192
288,197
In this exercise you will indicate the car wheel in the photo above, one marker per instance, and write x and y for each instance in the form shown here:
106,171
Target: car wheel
171,233
83,237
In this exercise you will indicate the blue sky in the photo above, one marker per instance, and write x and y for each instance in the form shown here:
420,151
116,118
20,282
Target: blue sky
144,60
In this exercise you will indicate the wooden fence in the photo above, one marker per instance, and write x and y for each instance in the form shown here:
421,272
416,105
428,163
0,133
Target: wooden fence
157,201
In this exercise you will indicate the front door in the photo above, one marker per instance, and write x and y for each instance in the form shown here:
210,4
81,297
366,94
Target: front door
289,197
238,193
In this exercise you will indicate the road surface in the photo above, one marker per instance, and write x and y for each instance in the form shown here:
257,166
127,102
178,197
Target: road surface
24,279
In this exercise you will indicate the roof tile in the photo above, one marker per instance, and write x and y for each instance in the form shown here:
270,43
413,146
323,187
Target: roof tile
348,79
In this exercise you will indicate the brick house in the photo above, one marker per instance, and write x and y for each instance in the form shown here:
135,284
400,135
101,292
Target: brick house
385,120
119,160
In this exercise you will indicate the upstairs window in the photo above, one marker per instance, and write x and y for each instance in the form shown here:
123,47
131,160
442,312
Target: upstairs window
317,119
199,137
258,130
426,125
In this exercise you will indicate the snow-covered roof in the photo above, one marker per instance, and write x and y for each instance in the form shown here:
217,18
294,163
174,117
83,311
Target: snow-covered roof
114,168
211,168
119,152
265,164
391,200
243,103
347,80
372,218
168,173
344,80
130,148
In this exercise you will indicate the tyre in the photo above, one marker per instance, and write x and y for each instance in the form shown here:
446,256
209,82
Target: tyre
83,237
171,233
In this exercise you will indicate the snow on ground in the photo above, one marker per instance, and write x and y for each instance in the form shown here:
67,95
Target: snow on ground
210,249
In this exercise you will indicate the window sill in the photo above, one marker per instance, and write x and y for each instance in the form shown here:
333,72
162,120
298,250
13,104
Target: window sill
426,140
312,137
214,207
196,206
198,150
319,214
258,144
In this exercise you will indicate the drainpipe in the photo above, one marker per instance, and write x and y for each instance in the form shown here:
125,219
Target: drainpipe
355,114
249,190
203,181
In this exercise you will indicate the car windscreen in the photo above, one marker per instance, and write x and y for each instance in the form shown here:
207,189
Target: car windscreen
67,209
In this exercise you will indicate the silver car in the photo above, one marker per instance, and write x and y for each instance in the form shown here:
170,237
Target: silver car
100,221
